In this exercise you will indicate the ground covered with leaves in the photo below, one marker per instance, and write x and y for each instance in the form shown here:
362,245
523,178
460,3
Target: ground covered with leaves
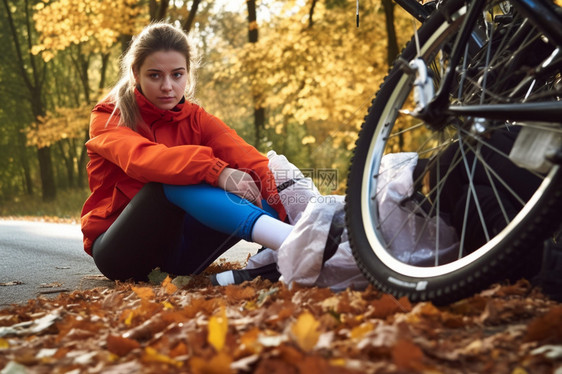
185,325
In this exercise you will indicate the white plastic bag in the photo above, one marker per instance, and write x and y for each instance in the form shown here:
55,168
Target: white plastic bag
262,258
300,257
404,225
299,190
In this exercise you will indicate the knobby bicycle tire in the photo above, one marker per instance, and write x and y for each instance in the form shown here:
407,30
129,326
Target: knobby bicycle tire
386,130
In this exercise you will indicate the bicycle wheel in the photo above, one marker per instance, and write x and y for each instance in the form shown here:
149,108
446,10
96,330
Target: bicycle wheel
439,211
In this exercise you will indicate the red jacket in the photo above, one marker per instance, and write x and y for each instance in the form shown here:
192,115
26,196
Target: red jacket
182,146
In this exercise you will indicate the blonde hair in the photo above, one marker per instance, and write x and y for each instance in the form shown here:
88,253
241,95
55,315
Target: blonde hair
153,38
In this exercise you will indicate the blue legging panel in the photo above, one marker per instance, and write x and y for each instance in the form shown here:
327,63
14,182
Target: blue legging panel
215,208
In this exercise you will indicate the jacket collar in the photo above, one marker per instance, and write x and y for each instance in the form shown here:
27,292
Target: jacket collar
151,114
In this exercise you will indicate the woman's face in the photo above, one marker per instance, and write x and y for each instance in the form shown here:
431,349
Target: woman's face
162,78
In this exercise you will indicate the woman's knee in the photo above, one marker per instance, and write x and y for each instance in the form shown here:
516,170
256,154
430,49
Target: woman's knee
216,208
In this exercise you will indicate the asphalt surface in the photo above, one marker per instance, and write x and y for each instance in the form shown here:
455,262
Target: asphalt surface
45,259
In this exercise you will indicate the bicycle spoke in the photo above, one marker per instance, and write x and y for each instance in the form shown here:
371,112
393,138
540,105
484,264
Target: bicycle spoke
403,131
470,173
468,213
489,169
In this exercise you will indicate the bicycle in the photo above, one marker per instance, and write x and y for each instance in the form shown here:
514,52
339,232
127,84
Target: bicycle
474,71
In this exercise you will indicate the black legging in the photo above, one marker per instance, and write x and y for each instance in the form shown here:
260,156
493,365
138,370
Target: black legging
152,232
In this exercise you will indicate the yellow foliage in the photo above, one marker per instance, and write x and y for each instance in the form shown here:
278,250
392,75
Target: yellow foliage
321,77
94,23
305,331
4,344
62,123
308,139
359,331
218,327
151,355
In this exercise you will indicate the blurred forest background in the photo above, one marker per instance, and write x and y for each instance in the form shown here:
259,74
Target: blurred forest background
296,76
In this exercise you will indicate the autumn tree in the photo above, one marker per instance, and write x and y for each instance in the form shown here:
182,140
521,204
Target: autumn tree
16,166
32,72
77,33
316,73
302,86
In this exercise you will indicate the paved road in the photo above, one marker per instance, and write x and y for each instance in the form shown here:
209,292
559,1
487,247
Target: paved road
38,258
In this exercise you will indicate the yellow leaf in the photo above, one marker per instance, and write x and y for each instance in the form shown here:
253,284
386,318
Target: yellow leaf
338,362
519,370
359,331
167,305
218,326
129,318
151,355
4,344
305,331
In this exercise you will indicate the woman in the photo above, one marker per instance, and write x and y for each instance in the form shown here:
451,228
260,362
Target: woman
172,186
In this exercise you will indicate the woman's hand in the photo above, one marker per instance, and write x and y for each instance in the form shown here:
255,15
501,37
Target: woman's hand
241,184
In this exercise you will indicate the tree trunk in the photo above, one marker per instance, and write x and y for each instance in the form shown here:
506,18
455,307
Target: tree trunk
157,11
33,78
392,46
311,14
188,24
47,174
28,182
259,111
68,158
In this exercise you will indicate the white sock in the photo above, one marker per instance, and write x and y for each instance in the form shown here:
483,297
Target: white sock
270,232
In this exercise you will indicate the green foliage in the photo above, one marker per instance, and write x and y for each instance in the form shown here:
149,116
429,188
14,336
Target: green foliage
313,71
67,205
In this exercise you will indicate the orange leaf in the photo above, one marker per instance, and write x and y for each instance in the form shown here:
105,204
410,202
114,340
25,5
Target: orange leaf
237,293
219,364
144,293
121,346
388,305
249,340
546,327
407,355
168,286
179,350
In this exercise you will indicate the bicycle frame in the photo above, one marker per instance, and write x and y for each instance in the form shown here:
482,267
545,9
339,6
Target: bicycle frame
438,109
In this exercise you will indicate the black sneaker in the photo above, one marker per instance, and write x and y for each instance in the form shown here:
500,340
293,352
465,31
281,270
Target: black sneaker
225,278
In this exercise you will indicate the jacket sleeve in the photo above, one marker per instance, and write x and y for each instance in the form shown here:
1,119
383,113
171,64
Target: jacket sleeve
148,161
231,148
